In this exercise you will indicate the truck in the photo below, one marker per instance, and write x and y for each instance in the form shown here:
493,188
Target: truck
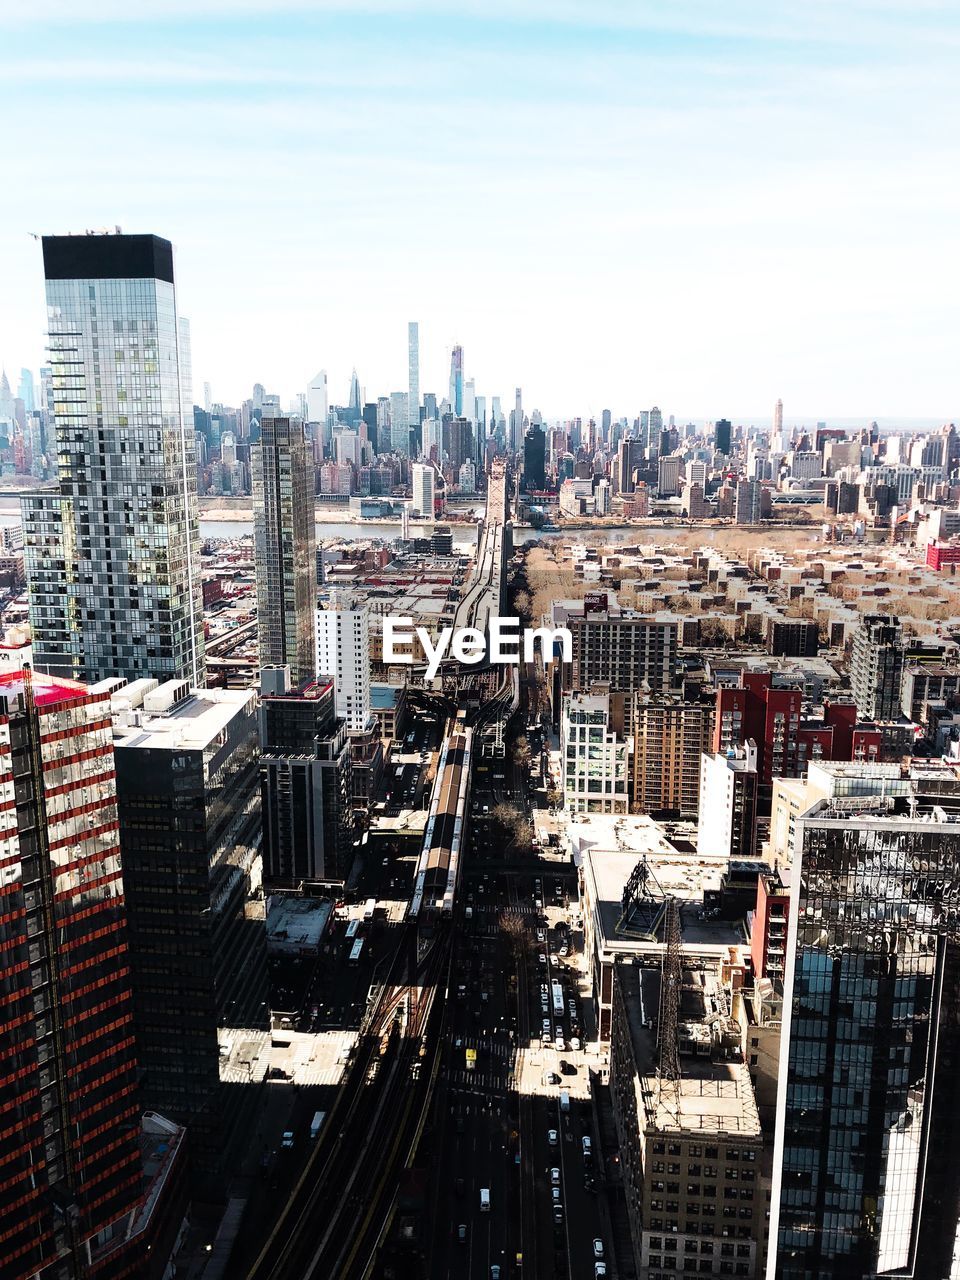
564,1100
484,1199
316,1124
557,990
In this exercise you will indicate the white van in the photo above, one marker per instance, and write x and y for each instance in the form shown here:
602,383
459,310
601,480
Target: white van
484,1199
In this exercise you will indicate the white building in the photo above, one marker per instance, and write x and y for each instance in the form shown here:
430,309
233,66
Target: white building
424,489
728,803
594,758
602,496
467,479
317,404
343,652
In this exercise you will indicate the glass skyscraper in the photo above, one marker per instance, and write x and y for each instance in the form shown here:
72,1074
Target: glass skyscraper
285,547
869,1108
112,556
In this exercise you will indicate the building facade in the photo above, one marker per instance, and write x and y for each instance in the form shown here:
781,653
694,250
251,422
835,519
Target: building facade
625,650
285,547
305,783
594,757
876,667
868,1106
727,823
69,1142
112,555
424,489
343,652
670,735
189,809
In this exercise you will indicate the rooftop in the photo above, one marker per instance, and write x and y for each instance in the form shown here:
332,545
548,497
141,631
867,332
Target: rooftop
47,690
297,924
193,720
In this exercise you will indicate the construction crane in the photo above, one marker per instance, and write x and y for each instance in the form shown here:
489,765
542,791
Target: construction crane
671,981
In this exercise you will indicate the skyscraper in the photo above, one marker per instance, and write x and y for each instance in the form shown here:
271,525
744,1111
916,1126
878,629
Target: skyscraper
399,422
355,405
778,418
189,808
343,651
317,401
456,380
25,391
868,1108
721,436
69,1139
518,422
284,537
424,489
112,557
876,667
304,781
413,358
534,459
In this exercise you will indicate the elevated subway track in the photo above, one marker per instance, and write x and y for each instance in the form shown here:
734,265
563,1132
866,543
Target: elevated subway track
438,868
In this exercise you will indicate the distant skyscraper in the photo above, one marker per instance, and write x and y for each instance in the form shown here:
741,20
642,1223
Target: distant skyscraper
606,419
69,1140
456,381
747,508
876,667
518,422
867,1181
343,652
413,388
399,422
424,489
25,391
317,399
355,406
721,436
470,400
534,458
112,557
284,537
778,418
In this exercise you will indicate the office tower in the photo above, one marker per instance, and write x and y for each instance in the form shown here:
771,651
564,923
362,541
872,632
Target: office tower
668,476
595,758
25,391
876,667
461,441
284,541
670,735
304,782
606,418
399,426
656,424
69,1140
868,1105
371,426
602,497
189,808
424,489
355,403
721,436
384,435
467,477
413,374
747,502
470,400
318,403
343,651
534,459
728,803
347,448
778,418
456,381
517,423
625,650
629,457
112,556
696,473
430,407
697,508
688,1127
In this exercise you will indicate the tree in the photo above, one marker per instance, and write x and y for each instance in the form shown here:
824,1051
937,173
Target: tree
521,752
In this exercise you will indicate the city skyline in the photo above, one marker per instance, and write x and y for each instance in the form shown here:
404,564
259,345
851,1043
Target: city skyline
714,190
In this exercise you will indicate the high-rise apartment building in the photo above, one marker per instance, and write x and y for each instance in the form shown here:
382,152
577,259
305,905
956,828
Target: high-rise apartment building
343,652
284,540
69,1142
747,508
594,757
670,735
424,489
876,667
668,475
623,649
188,791
304,782
413,374
112,556
727,822
399,426
868,1110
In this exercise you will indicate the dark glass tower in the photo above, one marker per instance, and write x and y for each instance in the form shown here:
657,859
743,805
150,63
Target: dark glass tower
534,459
721,436
869,1108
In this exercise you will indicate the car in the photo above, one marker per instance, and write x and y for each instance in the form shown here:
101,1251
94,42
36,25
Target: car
541,935
287,1139
555,1177
542,958
555,1192
559,1044
599,1270
552,1137
462,1233
558,1213
495,1271
554,958
575,1043
598,1248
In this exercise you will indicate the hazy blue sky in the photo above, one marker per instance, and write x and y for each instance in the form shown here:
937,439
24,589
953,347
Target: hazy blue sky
614,204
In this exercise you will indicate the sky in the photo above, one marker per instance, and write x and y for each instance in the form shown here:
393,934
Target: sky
611,204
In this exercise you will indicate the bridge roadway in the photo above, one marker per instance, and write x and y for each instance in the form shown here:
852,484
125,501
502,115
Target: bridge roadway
484,596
